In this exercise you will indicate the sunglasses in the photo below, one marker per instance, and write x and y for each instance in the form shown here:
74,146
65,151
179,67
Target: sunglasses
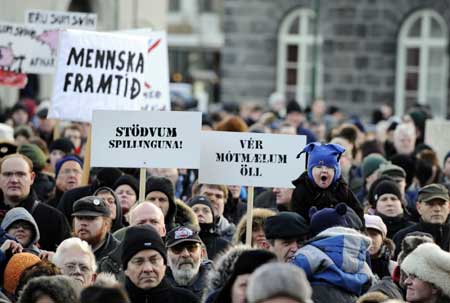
191,248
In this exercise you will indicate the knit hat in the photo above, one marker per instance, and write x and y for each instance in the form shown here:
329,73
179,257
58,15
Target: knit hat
127,180
371,163
385,187
107,176
375,222
286,225
61,161
293,106
62,144
139,238
161,184
35,154
15,267
278,280
101,294
60,288
431,264
323,154
6,133
326,218
200,200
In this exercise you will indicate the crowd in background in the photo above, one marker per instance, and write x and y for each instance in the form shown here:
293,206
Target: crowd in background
365,221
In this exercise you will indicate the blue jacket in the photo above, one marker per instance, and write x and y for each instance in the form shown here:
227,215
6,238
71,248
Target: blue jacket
337,256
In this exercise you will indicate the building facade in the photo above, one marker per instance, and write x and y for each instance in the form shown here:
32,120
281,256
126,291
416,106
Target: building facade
355,54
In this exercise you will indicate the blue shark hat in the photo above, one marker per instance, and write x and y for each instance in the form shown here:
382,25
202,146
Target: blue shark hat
323,154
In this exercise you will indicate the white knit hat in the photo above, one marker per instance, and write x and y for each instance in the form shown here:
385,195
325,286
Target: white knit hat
431,264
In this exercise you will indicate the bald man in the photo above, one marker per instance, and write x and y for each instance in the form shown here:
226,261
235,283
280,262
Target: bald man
142,213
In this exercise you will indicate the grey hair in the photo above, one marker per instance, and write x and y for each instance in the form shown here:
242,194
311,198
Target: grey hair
74,244
278,280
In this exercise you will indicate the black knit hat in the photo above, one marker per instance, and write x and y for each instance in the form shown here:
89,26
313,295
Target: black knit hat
286,225
293,106
139,238
100,294
127,180
201,200
62,144
386,187
161,184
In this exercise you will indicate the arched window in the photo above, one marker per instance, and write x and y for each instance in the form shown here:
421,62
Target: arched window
422,63
299,53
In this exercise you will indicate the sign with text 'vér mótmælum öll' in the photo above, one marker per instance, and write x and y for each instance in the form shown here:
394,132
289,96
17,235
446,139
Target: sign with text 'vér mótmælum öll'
252,159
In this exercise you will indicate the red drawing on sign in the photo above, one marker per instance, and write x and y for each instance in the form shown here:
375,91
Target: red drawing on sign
151,45
50,38
8,78
6,55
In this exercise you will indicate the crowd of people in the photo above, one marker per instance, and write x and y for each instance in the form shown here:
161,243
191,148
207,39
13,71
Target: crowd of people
367,219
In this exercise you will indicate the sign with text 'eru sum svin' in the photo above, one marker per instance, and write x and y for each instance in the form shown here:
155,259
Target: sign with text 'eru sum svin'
103,71
252,159
141,139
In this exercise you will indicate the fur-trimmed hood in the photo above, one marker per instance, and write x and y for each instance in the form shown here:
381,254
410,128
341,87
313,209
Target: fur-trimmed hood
185,215
222,269
259,217
372,297
61,289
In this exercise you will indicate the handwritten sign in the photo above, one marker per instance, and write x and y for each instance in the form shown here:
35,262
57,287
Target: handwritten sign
146,139
252,159
109,72
60,20
437,135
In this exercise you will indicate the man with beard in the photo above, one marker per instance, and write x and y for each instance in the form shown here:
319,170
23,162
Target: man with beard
75,259
92,223
144,263
285,232
184,257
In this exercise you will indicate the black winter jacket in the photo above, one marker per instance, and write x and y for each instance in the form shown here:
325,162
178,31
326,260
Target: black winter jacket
213,242
306,194
107,247
197,286
52,224
163,293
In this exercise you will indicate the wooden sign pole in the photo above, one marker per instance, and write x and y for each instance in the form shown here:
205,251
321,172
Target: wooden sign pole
87,159
248,232
142,180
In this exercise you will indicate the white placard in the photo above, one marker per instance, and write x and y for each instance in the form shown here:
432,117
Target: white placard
437,135
146,139
252,159
109,72
55,19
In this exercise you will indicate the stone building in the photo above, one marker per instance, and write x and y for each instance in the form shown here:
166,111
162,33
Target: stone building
360,53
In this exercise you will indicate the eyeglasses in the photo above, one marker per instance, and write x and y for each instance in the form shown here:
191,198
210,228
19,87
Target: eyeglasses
71,267
191,248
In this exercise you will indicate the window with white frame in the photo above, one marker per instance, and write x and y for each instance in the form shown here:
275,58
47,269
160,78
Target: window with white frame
422,63
299,52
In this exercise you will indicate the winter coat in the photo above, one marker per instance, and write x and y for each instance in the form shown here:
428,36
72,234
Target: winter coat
234,209
164,293
440,233
326,294
388,287
112,263
213,242
395,224
52,225
381,264
20,213
197,286
225,229
184,216
107,247
306,194
117,222
337,257
259,217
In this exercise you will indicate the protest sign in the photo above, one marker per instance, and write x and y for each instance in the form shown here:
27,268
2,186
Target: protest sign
437,135
146,139
266,160
61,20
13,79
109,72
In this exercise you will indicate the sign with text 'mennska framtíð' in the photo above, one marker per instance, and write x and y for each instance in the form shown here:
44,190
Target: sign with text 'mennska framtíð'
109,72
162,139
252,159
